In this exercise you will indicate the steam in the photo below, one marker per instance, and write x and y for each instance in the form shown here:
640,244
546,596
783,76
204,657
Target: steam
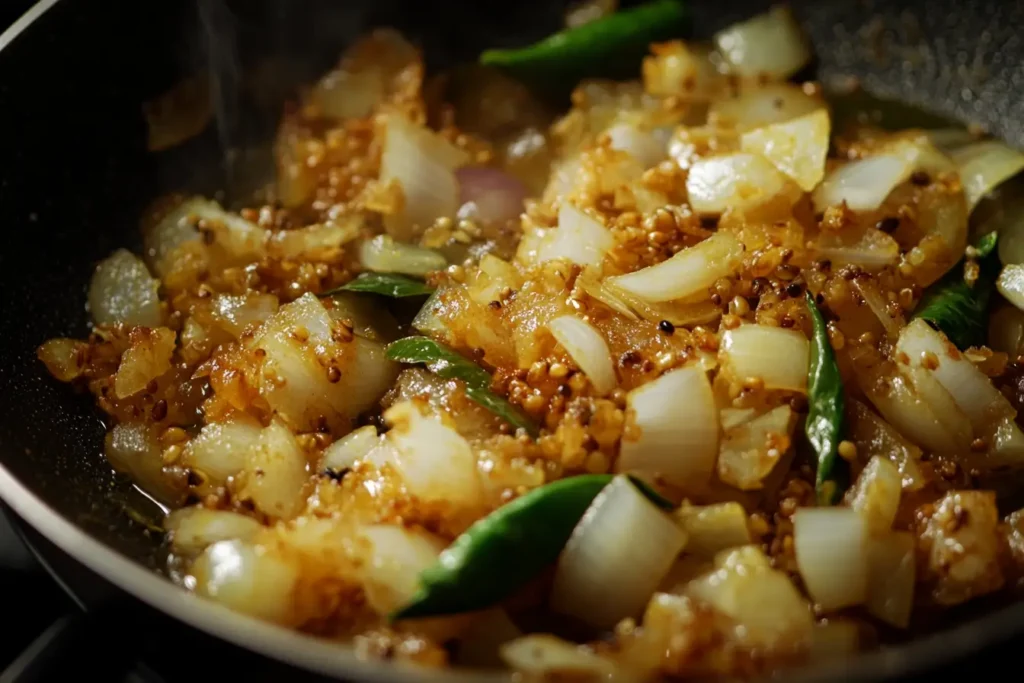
220,39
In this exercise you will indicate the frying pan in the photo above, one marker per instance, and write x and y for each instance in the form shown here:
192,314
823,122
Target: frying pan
76,176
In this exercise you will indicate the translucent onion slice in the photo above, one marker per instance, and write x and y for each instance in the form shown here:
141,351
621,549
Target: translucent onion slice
710,529
383,254
686,274
391,573
192,529
249,579
876,437
796,147
969,388
751,450
545,656
220,449
863,184
739,181
123,291
276,473
588,350
674,433
761,105
876,493
643,145
683,70
769,46
422,164
578,238
606,550
777,356
1011,284
1006,330
831,553
984,166
870,249
891,577
354,446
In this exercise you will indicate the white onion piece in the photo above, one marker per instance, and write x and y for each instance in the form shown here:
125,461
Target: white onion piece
588,350
489,194
751,451
831,553
687,273
391,573
796,147
383,254
606,550
193,529
435,462
891,577
869,291
348,449
123,291
762,601
160,239
863,184
736,181
423,165
148,357
871,248
1006,330
238,239
134,448
248,579
710,529
220,449
968,386
682,70
876,493
643,145
318,242
676,422
276,473
1011,284
960,546
768,46
984,166
546,656
875,437
777,356
236,314
64,358
579,238
759,106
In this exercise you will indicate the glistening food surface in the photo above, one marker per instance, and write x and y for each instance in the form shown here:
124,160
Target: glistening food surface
686,381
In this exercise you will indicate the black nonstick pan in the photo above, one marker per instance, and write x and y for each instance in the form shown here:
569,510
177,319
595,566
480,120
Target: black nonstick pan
75,176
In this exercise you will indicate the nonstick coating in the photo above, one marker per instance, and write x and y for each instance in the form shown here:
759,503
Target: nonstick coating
76,175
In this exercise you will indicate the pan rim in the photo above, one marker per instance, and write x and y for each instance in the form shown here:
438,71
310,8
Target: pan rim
338,659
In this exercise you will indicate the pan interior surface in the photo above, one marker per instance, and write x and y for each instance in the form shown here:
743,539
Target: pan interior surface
78,177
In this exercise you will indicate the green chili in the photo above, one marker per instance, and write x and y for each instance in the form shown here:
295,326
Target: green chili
446,363
824,427
610,46
502,552
386,284
957,308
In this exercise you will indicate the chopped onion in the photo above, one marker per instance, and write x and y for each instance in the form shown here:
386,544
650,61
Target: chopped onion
633,307
588,350
757,106
876,494
578,238
751,451
710,529
831,554
148,357
643,145
688,273
236,314
123,291
489,194
64,358
134,448
220,449
961,545
318,242
1006,330
984,166
875,437
365,315
435,462
763,602
678,69
493,277
969,388
606,550
863,184
870,248
891,577
1011,284
391,573
674,429
769,46
194,528
796,147
276,473
544,655
249,579
777,356
423,165
173,226
344,452
869,291
382,254
736,181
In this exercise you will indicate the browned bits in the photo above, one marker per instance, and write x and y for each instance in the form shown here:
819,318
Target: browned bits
888,224
159,410
666,327
333,375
